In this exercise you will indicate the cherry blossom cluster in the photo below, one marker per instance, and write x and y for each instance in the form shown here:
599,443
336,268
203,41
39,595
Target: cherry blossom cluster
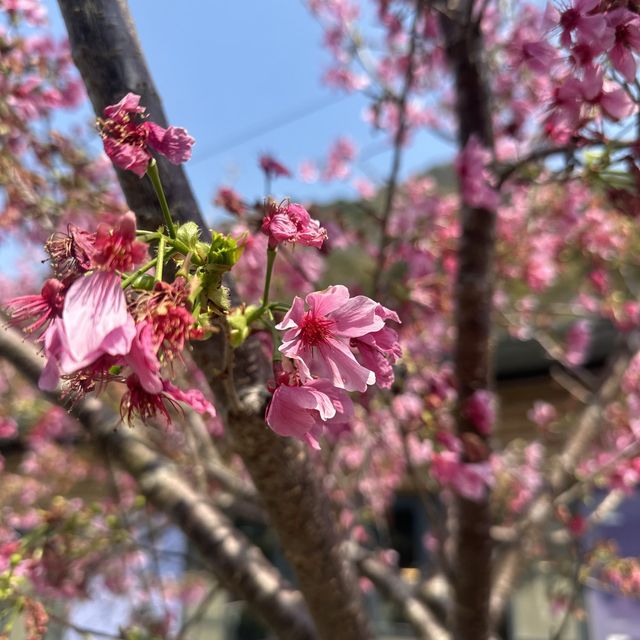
103,318
321,336
93,331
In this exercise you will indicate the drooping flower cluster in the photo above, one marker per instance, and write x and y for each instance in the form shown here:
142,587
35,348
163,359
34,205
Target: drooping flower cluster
321,336
128,139
88,328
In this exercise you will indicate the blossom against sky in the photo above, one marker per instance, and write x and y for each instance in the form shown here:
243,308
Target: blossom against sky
245,79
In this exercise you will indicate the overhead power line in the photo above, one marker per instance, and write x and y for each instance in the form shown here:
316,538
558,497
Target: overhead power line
266,126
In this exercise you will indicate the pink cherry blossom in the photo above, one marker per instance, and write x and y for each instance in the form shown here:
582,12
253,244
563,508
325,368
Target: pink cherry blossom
380,350
37,311
578,340
476,181
615,102
542,413
480,410
230,201
128,140
116,248
340,157
578,17
318,338
627,41
302,410
94,322
291,222
272,167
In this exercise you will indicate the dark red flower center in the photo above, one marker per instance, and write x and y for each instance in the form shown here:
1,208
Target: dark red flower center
569,19
315,330
124,130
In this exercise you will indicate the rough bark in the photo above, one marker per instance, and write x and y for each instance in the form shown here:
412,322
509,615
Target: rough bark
239,566
107,53
474,290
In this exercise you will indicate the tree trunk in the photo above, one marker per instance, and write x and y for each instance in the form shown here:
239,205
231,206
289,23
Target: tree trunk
474,290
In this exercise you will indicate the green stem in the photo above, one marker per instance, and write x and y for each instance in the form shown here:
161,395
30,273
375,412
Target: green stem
138,272
154,176
276,356
271,258
160,258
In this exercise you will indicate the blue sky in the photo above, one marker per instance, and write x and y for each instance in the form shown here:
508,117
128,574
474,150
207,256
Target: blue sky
228,71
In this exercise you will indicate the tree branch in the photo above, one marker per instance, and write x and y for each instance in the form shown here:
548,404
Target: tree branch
395,589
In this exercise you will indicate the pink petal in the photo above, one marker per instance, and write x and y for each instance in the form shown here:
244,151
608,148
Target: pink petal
95,320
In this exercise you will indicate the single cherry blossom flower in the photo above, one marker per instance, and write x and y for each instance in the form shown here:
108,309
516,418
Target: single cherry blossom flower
578,17
615,102
626,41
272,167
138,401
291,222
318,337
230,201
71,253
116,248
303,410
128,139
578,340
37,311
380,350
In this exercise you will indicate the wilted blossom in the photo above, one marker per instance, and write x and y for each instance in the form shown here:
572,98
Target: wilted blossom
129,139
302,410
116,248
318,337
166,310
70,253
230,201
147,392
272,167
34,313
291,222
137,401
475,178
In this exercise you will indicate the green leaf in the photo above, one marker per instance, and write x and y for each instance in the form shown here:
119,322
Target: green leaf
189,234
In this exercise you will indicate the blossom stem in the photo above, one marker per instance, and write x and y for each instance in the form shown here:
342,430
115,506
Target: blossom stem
138,272
154,176
276,356
160,258
271,258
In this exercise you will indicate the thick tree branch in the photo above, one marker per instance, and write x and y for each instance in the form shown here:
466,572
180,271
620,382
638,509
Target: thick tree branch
106,50
238,565
474,291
